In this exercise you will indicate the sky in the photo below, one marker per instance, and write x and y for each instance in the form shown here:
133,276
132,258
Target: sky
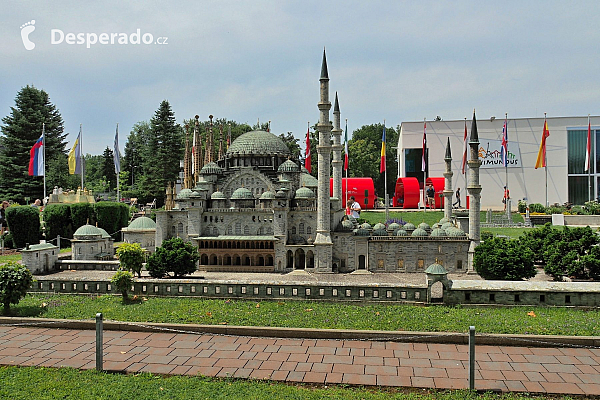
261,60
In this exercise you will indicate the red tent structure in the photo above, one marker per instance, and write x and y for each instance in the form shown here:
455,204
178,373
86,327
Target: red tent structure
438,186
407,193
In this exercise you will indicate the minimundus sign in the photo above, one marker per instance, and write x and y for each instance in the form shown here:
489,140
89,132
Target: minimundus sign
490,154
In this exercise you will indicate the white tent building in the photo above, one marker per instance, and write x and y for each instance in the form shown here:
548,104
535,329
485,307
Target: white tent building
565,151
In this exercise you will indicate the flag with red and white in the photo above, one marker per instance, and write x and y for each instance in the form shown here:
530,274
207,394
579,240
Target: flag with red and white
423,162
307,160
504,149
346,148
464,158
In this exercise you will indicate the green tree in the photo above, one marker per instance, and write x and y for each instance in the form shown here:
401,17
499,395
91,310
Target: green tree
162,155
134,149
574,254
122,281
175,256
131,257
108,169
15,280
57,174
292,143
503,259
20,130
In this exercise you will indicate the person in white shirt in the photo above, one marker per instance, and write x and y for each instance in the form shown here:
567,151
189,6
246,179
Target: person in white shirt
355,208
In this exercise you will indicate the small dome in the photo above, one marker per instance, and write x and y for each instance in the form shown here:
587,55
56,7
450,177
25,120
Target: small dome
308,180
242,194
424,226
447,225
435,226
258,143
409,227
218,196
444,220
268,195
436,269
393,226
104,234
379,232
303,169
455,232
366,226
438,232
379,225
304,193
141,223
361,232
211,169
288,166
400,232
195,194
419,232
87,230
347,225
184,194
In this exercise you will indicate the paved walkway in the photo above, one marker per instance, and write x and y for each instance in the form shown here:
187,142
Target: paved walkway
443,366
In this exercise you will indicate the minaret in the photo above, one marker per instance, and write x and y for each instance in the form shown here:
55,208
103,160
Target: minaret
474,190
187,161
208,152
197,151
221,150
337,153
323,244
448,182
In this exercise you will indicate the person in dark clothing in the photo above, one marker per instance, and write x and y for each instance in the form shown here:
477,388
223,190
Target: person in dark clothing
457,194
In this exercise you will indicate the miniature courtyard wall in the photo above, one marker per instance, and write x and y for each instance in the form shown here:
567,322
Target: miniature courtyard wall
40,258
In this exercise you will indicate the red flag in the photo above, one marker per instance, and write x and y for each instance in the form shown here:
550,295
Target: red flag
346,148
423,163
307,160
588,149
541,158
464,159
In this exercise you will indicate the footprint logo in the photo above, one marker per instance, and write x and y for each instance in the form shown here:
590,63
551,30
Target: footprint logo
26,29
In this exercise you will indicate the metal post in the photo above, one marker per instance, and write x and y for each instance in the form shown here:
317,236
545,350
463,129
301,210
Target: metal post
471,357
99,342
58,242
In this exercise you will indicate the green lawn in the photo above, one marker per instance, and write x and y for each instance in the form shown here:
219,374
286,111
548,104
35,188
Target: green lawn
26,383
310,314
416,217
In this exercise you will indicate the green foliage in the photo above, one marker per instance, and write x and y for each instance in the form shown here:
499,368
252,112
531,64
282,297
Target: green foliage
555,210
486,235
20,130
108,169
592,207
24,224
82,214
57,221
174,256
503,259
111,216
122,281
522,205
131,257
538,240
575,254
537,208
15,280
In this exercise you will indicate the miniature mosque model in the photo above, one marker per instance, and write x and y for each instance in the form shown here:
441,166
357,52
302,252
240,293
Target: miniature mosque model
253,209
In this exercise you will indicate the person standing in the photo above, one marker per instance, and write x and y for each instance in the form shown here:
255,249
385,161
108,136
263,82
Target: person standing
430,196
3,223
506,197
355,208
457,194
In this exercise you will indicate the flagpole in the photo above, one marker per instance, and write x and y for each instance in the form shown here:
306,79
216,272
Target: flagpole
424,165
589,156
546,161
346,156
81,153
44,156
507,206
387,203
117,155
466,167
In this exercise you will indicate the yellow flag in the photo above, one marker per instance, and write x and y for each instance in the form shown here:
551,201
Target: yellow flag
75,158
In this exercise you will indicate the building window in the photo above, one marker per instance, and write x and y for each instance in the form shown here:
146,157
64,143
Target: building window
401,264
301,228
380,264
420,263
458,264
412,163
309,231
579,180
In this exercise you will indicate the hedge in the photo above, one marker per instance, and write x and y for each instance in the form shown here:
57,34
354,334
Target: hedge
82,214
57,221
111,216
24,224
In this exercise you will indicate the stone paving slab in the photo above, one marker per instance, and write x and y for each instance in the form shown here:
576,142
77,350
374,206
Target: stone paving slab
323,361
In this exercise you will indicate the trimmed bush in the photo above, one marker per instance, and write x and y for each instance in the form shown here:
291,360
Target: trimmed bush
82,214
122,281
503,259
57,221
174,256
575,254
131,257
15,280
486,235
24,224
537,208
111,216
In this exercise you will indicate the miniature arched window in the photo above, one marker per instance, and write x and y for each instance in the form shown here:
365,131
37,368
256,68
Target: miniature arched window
261,231
230,230
308,230
215,231
269,231
173,230
246,230
293,230
180,228
238,228
301,228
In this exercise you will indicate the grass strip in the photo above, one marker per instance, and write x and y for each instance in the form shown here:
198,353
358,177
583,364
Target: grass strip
65,383
321,315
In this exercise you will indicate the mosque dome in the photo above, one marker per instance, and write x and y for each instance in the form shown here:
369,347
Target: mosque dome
218,196
184,194
424,226
288,166
304,193
419,232
104,234
87,230
379,232
361,232
308,180
393,226
400,232
366,226
456,232
258,143
409,227
141,223
211,169
379,225
347,225
437,232
268,195
242,194
444,220
436,269
447,225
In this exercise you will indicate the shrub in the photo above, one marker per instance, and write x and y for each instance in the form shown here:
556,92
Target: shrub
537,208
122,281
504,259
82,214
175,256
57,221
486,235
15,280
522,205
555,210
592,207
24,224
539,239
575,254
131,257
111,216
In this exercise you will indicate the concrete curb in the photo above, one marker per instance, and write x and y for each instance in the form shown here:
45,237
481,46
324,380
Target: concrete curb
306,333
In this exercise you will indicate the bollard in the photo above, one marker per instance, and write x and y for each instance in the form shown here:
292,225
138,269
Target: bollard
472,357
58,242
99,342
